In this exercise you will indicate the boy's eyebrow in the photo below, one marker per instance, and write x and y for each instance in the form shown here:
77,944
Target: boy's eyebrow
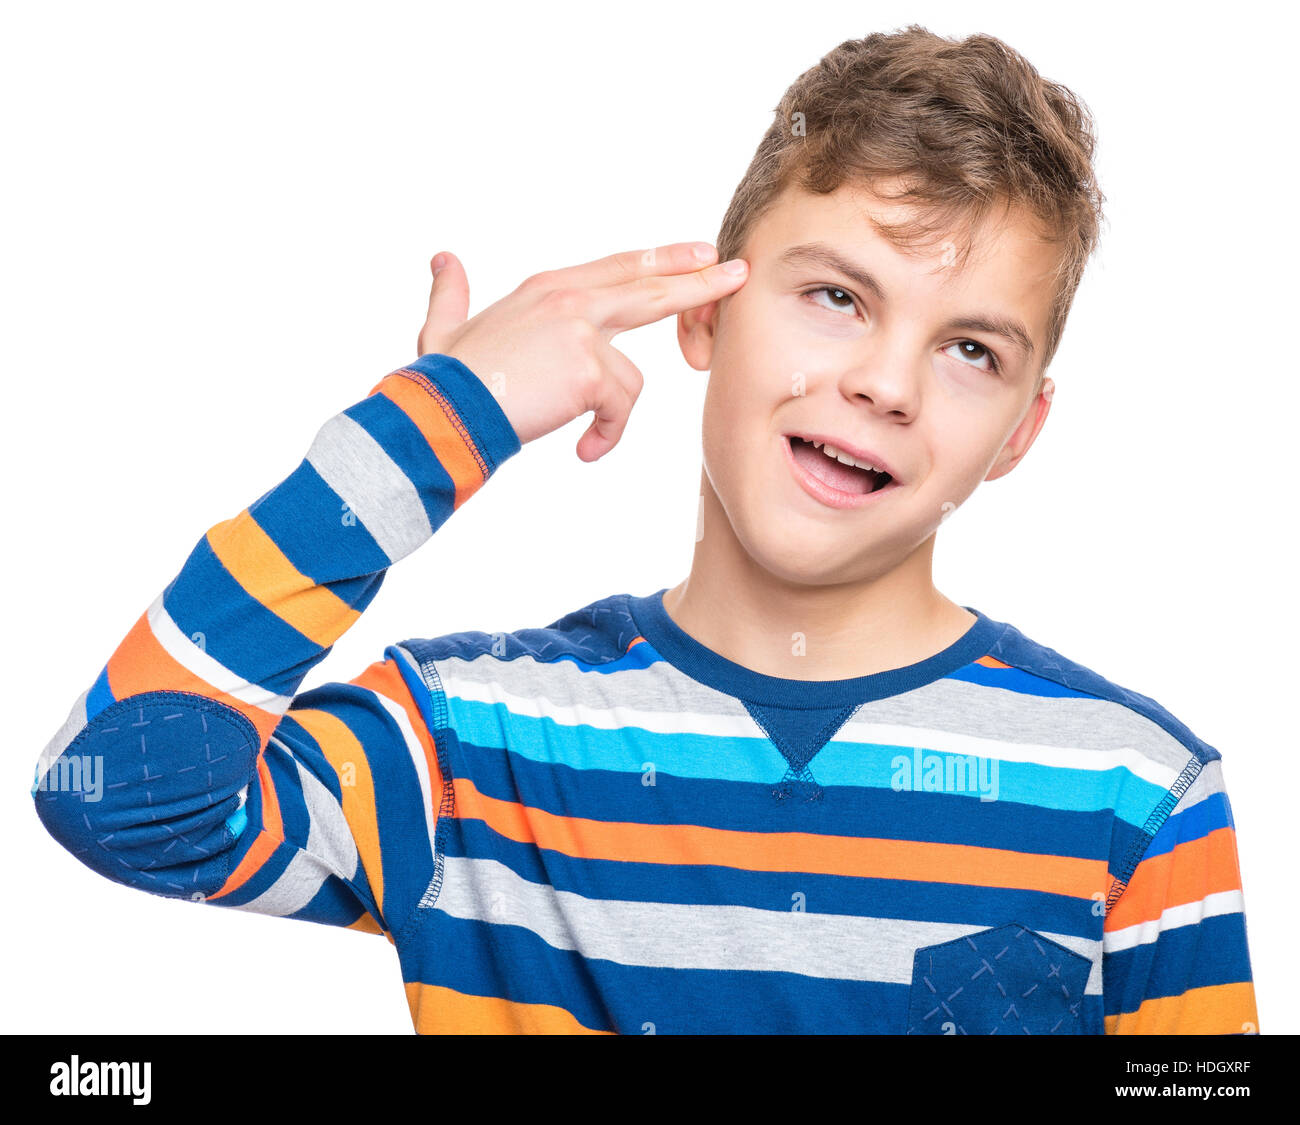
822,254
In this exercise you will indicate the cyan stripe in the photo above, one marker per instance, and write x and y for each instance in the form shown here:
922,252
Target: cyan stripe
737,806
237,821
756,760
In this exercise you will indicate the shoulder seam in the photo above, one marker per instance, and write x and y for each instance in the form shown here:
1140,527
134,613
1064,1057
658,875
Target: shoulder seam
1159,815
447,799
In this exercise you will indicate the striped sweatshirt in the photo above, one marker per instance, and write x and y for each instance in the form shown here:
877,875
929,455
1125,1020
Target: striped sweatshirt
603,826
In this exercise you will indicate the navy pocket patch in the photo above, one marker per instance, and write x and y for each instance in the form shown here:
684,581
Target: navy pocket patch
1005,980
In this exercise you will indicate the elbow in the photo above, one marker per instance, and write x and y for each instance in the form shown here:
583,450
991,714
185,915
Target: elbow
148,793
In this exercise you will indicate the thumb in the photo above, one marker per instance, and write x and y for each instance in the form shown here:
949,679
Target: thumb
448,303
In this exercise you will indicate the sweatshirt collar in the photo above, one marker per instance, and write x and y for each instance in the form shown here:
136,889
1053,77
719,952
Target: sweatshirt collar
688,655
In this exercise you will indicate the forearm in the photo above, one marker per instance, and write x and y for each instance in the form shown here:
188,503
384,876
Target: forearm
173,730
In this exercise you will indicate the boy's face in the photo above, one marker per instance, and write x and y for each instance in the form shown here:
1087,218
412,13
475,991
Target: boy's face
894,375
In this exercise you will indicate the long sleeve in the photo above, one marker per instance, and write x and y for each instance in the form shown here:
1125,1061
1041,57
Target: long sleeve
1175,957
190,768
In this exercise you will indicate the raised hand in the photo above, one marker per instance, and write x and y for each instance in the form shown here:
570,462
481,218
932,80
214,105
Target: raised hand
544,350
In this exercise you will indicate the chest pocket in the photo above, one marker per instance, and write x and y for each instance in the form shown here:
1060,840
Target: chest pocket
1005,980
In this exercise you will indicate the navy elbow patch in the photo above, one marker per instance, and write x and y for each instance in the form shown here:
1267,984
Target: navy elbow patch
148,793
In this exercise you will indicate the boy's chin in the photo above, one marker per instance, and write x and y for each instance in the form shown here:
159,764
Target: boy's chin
804,559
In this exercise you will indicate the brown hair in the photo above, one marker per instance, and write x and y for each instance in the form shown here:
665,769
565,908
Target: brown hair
961,125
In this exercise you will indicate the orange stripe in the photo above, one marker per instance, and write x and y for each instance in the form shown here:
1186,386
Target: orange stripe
444,1011
259,566
384,678
441,426
1188,873
782,851
141,664
270,836
347,757
365,924
991,662
1217,1009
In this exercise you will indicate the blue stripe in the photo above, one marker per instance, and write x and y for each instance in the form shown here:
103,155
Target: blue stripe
399,802
1014,679
756,760
1200,820
288,792
402,440
304,517
621,795
1212,951
335,904
272,867
100,695
480,413
515,964
238,631
711,884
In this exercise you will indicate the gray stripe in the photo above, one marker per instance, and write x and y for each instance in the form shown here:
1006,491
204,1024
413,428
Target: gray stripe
1008,716
293,890
382,497
657,688
955,705
693,936
63,737
328,835
330,850
1208,783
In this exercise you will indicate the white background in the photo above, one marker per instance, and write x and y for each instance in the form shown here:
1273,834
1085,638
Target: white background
217,228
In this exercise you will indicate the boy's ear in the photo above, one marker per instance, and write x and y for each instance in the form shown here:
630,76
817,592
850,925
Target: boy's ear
1018,443
695,334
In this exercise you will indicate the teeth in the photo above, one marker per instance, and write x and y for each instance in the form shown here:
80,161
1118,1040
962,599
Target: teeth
844,458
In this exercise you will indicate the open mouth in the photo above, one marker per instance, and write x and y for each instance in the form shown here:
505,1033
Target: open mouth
836,470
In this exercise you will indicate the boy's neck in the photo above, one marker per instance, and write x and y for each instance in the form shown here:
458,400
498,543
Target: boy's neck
830,632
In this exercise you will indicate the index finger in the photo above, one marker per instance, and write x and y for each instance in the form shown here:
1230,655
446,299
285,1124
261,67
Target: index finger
644,300
631,265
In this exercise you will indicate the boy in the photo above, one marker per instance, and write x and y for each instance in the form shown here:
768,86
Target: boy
799,791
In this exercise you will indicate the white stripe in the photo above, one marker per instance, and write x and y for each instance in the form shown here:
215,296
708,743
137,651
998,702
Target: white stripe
193,659
1185,914
372,485
1060,757
62,739
416,750
739,725
852,733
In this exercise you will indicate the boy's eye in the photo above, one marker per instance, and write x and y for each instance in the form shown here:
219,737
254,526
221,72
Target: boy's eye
970,349
981,352
836,294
